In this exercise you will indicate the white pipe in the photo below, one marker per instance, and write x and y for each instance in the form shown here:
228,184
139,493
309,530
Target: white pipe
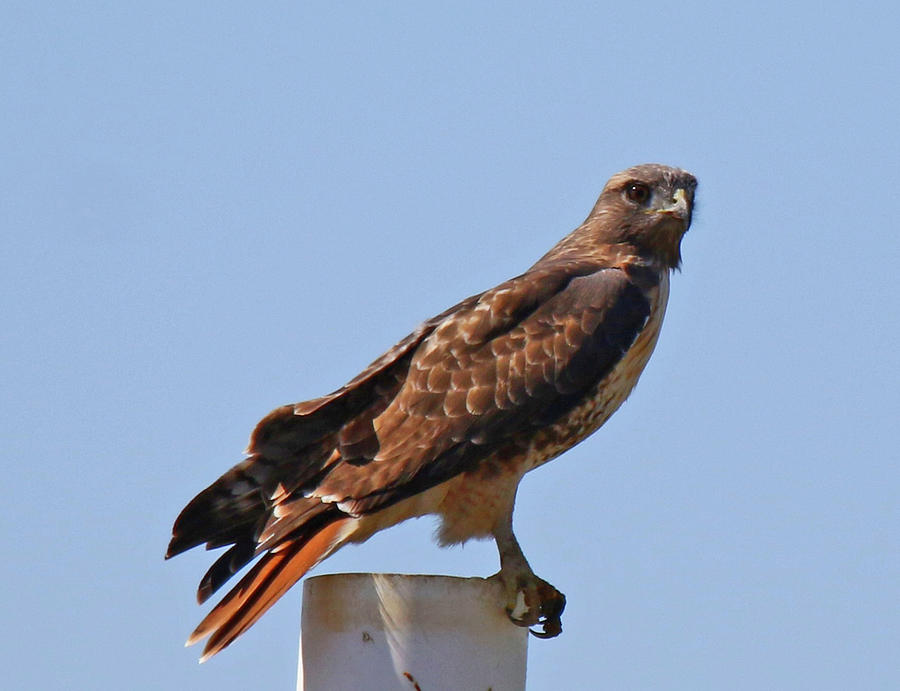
387,632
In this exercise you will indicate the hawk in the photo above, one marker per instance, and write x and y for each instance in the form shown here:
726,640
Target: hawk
450,419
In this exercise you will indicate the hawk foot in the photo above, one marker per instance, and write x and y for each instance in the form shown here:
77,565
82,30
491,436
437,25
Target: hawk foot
532,602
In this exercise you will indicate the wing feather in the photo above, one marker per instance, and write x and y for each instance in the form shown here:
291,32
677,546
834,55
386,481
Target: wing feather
492,373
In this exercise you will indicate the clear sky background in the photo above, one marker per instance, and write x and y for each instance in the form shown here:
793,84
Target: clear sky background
214,209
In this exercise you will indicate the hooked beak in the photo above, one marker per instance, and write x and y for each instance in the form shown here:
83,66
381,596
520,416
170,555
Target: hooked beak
678,207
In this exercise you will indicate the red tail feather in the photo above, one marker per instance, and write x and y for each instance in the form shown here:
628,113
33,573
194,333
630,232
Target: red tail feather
267,581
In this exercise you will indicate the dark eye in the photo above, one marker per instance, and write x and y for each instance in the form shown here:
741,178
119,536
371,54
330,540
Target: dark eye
637,192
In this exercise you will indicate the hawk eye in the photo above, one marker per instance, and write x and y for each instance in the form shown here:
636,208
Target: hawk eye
637,192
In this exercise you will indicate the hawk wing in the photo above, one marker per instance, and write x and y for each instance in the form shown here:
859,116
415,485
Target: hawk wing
498,368
289,449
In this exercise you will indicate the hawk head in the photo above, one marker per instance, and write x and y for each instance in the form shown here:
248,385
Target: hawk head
647,207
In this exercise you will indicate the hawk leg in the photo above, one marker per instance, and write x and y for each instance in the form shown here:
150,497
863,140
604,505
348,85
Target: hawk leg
530,601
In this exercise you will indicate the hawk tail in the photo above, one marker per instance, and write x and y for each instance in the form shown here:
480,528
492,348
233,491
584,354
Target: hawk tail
267,581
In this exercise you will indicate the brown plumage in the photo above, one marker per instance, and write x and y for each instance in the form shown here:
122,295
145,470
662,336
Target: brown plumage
449,420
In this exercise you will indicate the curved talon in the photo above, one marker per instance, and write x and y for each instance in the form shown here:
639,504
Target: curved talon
543,617
552,606
552,628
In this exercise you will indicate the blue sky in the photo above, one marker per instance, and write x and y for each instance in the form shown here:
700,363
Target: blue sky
214,209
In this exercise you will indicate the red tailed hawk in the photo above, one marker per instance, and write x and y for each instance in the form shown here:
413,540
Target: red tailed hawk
449,420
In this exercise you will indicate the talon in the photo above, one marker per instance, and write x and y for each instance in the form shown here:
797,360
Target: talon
552,628
553,603
535,604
